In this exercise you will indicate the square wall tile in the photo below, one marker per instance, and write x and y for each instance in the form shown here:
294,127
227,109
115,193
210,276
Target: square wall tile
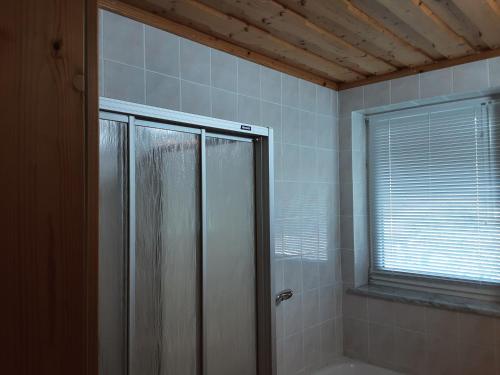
223,70
436,83
291,125
377,94
248,78
195,98
293,354
270,84
248,110
381,344
308,132
494,71
292,310
162,51
162,91
404,89
224,104
307,95
271,116
327,131
123,39
470,77
290,89
324,102
350,100
123,82
356,338
195,62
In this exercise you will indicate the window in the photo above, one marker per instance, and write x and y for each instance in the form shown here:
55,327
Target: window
434,191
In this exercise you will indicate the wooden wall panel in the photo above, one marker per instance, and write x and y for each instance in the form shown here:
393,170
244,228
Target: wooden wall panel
45,301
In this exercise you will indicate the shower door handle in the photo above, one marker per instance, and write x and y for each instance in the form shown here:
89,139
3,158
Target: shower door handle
283,295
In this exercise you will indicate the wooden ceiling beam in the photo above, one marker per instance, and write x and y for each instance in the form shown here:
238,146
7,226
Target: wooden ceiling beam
458,21
422,69
483,13
330,14
213,22
160,22
421,18
291,26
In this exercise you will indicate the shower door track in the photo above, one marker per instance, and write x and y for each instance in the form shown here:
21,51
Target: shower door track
142,115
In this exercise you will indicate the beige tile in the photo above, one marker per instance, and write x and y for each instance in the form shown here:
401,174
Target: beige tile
442,356
355,307
355,338
409,317
475,359
409,352
380,311
381,344
441,323
477,329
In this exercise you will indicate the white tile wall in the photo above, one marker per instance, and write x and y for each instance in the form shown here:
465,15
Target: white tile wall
183,75
408,338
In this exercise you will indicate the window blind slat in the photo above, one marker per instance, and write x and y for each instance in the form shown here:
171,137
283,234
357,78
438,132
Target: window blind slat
434,189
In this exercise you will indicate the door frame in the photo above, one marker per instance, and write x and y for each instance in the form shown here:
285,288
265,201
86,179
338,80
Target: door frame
142,115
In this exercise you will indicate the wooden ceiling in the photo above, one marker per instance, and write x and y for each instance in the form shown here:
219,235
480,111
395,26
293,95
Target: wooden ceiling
337,43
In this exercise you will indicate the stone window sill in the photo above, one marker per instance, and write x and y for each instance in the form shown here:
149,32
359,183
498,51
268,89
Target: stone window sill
422,298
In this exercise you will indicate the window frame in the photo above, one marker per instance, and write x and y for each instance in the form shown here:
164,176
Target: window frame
479,290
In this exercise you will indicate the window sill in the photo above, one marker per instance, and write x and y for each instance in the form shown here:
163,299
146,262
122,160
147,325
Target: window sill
421,298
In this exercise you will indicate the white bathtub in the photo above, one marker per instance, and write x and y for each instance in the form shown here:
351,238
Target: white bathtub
347,366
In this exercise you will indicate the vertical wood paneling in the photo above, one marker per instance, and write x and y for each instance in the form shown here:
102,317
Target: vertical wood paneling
43,257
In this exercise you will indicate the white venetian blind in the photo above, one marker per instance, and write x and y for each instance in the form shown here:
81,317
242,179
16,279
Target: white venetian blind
434,191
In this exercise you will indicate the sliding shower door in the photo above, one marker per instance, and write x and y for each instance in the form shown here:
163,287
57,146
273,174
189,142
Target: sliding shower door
167,219
182,251
229,286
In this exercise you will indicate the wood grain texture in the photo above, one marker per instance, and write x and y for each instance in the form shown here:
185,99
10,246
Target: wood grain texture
425,68
43,259
419,17
458,21
148,16
213,22
362,26
485,15
298,30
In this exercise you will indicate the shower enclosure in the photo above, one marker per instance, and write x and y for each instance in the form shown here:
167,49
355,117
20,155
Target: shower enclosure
185,244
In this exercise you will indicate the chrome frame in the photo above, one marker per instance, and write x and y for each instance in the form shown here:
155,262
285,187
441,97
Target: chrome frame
262,137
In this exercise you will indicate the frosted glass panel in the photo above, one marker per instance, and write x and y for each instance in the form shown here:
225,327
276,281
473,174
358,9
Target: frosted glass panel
230,258
167,247
112,248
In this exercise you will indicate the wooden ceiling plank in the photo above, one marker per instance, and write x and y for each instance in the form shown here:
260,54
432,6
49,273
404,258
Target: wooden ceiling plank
232,29
388,20
458,21
485,16
330,14
424,68
148,17
421,18
296,29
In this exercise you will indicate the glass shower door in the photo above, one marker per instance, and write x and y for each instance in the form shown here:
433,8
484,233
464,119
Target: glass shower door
165,316
179,271
229,285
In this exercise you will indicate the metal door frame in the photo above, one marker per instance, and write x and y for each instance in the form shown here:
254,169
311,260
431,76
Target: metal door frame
141,115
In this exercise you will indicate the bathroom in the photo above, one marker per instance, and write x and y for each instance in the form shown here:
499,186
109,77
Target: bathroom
250,187
320,202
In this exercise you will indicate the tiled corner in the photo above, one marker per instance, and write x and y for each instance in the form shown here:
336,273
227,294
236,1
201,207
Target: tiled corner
470,77
436,83
404,89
